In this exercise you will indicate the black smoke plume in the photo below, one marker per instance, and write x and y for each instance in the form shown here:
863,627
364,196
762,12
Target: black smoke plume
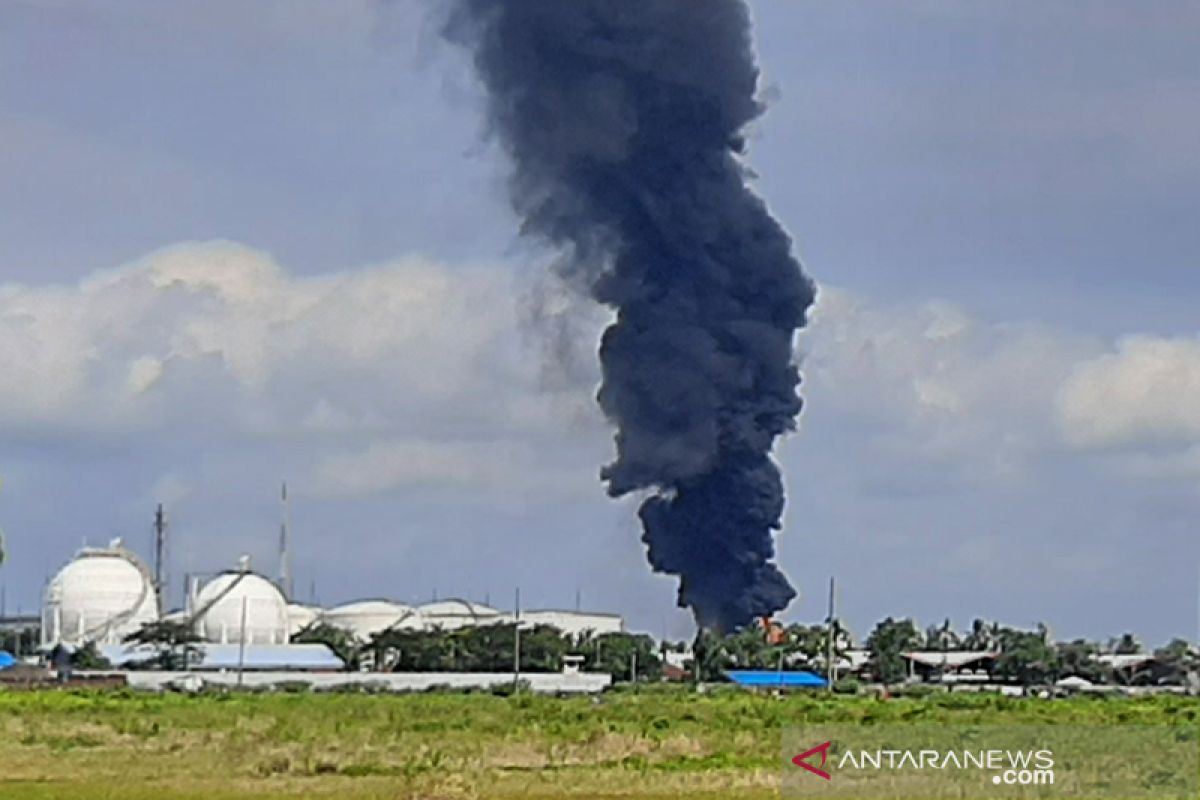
624,121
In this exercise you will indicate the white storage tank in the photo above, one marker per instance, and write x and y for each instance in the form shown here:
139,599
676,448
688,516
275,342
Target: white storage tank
101,596
367,618
238,601
455,613
574,623
300,617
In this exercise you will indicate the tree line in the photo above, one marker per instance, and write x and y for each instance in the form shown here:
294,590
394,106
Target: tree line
491,648
175,646
1025,657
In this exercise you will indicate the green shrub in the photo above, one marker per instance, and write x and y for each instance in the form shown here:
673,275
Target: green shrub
848,686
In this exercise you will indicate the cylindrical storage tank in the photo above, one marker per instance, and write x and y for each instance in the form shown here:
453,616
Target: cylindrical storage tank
366,618
455,613
300,617
237,602
574,623
101,596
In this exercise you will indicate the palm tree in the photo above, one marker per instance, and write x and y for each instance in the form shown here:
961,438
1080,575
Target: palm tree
983,636
1126,645
887,643
1078,658
175,641
941,637
1026,656
1180,660
339,640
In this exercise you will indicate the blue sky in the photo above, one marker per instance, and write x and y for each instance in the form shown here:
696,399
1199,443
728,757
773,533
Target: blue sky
241,242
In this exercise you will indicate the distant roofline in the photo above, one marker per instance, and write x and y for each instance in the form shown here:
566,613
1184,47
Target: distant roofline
572,612
372,600
473,608
235,571
949,658
1121,660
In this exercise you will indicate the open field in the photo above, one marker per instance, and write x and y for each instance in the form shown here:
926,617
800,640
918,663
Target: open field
655,743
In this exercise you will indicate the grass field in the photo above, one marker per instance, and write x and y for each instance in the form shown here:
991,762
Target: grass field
654,743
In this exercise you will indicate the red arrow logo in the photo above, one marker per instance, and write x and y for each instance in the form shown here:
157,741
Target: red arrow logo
823,749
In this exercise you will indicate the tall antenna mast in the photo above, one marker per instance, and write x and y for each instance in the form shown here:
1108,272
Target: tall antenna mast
285,555
517,640
830,652
160,547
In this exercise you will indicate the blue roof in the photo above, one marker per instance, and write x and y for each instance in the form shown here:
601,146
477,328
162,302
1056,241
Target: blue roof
281,657
7,660
749,677
270,656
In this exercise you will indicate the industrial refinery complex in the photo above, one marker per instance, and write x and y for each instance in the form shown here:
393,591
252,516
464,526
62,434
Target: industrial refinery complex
105,594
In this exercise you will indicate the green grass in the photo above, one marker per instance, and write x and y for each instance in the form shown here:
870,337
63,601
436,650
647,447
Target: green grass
654,743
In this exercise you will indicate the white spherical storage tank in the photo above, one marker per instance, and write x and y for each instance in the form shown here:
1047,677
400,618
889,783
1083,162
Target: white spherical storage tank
101,596
237,602
366,618
300,617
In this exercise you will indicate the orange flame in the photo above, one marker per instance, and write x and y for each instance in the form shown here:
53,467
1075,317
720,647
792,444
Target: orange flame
772,631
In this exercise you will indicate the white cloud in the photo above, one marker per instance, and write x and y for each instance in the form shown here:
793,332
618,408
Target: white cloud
372,380
1147,392
219,335
936,383
411,373
144,372
931,383
475,465
168,489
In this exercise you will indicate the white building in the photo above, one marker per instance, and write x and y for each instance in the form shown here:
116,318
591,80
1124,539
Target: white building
240,601
574,623
366,618
101,596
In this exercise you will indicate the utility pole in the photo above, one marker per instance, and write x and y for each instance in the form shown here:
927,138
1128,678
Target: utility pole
830,669
285,554
160,546
517,641
242,647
